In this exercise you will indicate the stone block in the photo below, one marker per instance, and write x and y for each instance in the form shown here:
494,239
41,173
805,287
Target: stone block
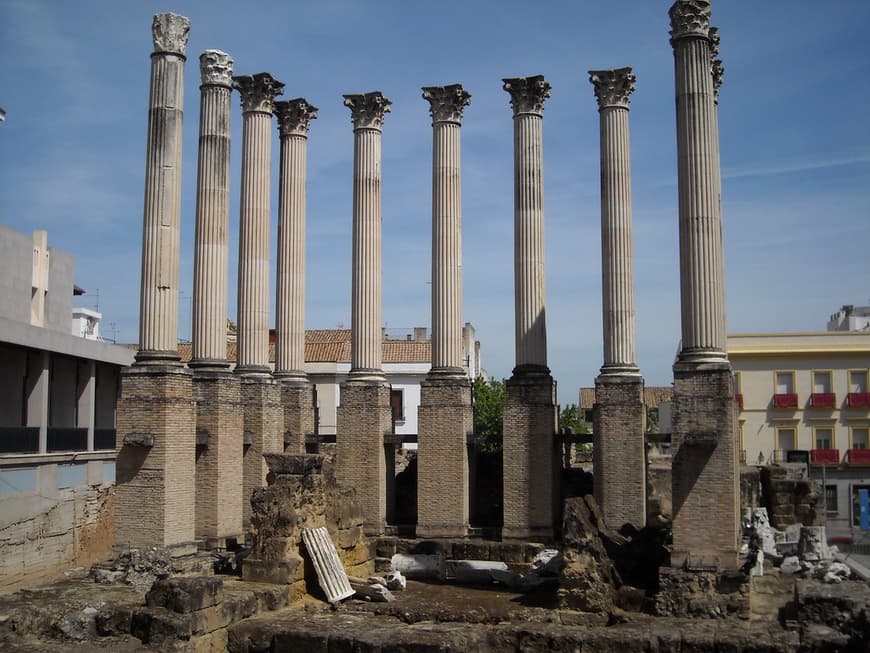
159,626
278,572
185,594
386,547
294,464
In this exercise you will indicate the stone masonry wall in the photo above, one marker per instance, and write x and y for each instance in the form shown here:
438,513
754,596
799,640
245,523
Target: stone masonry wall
619,451
706,509
219,428
530,457
302,493
155,468
445,419
364,418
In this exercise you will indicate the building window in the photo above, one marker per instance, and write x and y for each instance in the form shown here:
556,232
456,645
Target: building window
822,382
831,499
397,405
858,381
786,440
859,437
784,383
738,390
823,437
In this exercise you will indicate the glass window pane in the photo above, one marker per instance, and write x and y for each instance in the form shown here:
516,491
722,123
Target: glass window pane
822,382
784,383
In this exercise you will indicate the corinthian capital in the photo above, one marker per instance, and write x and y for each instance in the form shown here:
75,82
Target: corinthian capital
294,117
258,92
170,32
446,102
367,109
716,67
216,68
613,87
689,18
527,94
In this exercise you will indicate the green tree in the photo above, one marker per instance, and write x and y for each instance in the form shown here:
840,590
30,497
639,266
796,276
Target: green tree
571,417
652,419
489,398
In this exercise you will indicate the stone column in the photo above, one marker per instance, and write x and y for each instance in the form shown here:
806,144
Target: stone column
260,393
529,445
297,393
444,415
216,391
704,441
364,414
619,451
155,467
158,302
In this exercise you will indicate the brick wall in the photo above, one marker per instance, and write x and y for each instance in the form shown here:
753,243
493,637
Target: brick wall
619,451
445,417
263,433
298,401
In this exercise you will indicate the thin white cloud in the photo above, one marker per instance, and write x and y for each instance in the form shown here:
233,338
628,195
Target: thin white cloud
798,166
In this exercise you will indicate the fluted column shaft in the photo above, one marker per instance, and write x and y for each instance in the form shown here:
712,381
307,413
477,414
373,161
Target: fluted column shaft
702,271
612,89
293,120
211,249
158,303
527,100
258,93
366,338
446,105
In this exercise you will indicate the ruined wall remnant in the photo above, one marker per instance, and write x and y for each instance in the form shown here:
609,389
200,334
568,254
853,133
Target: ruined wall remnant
302,493
791,496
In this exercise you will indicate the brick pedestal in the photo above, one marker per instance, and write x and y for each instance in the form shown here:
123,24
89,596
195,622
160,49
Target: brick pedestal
618,453
263,433
363,418
705,468
155,469
530,456
219,426
444,419
297,399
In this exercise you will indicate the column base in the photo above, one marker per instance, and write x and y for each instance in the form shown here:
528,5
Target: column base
619,451
263,433
705,468
530,452
297,399
445,418
219,427
363,418
155,468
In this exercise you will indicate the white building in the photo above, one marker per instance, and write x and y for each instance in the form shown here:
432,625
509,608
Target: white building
850,318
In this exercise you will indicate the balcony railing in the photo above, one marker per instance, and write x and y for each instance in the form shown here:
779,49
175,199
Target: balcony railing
789,400
778,455
739,399
858,400
825,457
743,456
858,456
823,400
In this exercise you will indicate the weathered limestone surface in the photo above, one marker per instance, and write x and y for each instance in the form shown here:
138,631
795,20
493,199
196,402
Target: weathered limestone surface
211,249
155,485
219,429
263,432
158,307
705,464
444,415
297,394
362,459
530,453
258,97
302,493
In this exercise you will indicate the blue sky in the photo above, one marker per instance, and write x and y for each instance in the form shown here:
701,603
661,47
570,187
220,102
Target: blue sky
795,149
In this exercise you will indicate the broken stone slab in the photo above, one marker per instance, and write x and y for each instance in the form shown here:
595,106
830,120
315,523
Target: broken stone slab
474,571
331,575
548,562
396,582
420,565
515,581
837,573
185,594
790,565
375,592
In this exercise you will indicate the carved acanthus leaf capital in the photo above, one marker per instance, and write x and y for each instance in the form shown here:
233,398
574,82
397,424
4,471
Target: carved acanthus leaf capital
170,32
294,116
689,18
613,87
216,68
716,67
446,102
527,94
367,110
258,92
